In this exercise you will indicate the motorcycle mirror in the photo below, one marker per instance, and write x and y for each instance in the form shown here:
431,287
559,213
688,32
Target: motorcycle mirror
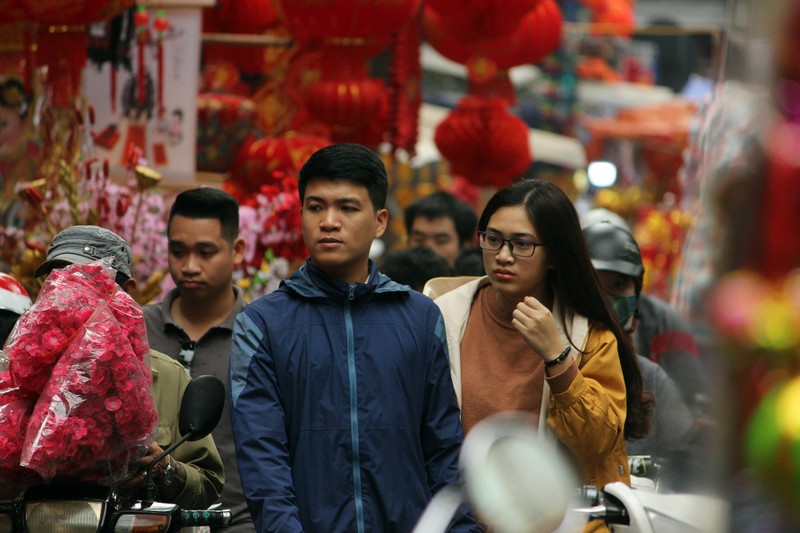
516,479
201,407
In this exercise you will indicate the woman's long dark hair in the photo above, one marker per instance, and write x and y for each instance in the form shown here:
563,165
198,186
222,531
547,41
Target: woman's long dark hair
575,281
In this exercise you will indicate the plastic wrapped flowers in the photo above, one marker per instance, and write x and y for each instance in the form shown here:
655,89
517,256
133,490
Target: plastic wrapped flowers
75,402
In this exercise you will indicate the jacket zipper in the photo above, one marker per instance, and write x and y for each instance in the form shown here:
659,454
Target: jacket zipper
351,367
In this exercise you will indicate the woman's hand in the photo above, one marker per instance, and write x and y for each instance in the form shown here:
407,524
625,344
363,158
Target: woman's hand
536,324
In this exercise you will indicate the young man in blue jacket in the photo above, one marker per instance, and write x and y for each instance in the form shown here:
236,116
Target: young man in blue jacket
344,415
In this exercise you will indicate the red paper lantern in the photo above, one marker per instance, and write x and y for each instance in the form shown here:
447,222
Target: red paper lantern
481,19
536,35
10,11
346,105
355,22
347,33
64,54
484,143
72,11
260,162
241,16
615,17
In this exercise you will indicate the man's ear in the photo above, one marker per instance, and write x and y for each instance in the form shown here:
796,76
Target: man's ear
383,220
238,251
130,286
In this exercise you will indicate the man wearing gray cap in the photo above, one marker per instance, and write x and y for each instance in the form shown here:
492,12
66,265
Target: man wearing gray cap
193,475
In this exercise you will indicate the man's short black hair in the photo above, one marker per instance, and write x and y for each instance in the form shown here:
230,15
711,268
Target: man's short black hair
351,162
415,266
444,204
208,202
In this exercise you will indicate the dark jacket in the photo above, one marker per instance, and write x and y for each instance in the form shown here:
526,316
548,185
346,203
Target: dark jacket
344,415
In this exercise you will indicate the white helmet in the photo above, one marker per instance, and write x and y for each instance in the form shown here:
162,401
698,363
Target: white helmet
13,296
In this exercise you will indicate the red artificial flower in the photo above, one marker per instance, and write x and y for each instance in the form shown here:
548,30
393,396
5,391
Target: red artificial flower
76,403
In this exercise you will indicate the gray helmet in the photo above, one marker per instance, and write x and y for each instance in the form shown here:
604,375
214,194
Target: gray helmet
613,249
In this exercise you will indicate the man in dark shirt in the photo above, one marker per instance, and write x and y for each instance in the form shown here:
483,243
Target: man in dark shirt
193,323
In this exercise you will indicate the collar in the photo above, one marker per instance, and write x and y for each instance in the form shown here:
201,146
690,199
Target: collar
166,305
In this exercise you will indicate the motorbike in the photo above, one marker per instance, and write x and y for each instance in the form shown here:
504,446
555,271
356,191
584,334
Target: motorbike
79,508
518,481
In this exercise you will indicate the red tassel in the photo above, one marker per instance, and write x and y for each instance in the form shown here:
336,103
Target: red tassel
160,60
140,74
113,88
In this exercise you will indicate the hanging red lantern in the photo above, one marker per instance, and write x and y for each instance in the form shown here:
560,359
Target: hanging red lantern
243,16
347,33
614,17
488,60
63,52
258,163
10,11
484,143
353,22
73,11
475,20
346,105
537,34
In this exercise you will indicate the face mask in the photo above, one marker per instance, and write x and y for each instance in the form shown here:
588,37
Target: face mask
625,307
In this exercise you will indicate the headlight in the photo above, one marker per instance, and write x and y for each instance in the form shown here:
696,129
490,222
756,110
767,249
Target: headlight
63,516
140,522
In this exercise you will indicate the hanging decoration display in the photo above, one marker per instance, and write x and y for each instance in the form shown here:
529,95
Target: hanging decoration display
476,20
489,38
484,142
150,110
257,162
405,86
347,33
487,60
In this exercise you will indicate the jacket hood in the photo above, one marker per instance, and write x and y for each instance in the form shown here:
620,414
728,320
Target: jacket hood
309,281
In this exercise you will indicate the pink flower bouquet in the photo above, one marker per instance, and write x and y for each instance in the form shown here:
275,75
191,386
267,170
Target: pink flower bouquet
79,357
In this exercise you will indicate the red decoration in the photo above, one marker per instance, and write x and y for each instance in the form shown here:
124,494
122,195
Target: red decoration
161,25
481,19
86,378
241,16
64,54
73,11
614,17
257,161
484,143
346,105
778,248
355,22
347,32
537,34
405,96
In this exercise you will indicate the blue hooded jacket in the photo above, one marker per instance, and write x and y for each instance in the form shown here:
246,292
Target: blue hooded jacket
344,415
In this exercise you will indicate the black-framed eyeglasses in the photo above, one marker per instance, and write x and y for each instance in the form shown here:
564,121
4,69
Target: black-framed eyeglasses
519,247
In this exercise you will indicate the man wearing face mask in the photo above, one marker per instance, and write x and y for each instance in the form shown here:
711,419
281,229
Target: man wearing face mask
659,333
618,261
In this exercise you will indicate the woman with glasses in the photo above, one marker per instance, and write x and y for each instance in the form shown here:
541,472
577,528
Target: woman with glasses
537,335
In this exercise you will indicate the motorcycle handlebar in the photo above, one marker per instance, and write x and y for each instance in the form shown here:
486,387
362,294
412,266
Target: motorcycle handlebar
206,517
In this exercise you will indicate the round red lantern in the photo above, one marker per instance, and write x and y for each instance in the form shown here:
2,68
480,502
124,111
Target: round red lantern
537,34
261,162
614,17
10,11
73,11
484,143
346,105
481,19
242,16
354,22
347,33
